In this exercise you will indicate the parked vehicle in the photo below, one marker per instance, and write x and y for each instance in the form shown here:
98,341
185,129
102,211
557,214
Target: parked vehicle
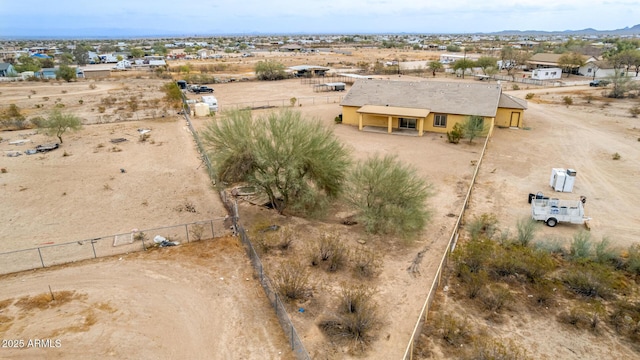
598,83
202,89
553,211
212,102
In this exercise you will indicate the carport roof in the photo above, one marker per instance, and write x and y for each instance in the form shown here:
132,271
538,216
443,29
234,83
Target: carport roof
394,111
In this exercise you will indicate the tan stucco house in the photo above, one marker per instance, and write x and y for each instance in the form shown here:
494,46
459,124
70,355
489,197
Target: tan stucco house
428,105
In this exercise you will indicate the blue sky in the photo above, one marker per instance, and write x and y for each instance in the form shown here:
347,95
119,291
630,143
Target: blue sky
86,18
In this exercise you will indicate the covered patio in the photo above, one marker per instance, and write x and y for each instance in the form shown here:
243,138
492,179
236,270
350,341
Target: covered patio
406,120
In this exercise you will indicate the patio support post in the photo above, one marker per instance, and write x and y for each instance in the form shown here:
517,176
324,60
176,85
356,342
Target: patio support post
389,126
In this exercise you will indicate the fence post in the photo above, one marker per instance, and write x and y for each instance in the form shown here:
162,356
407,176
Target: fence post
292,347
41,261
94,249
212,234
186,229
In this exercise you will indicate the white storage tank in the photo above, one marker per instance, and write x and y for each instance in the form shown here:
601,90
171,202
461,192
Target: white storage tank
562,180
202,109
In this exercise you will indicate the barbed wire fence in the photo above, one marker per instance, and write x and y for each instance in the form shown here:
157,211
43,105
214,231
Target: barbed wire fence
137,240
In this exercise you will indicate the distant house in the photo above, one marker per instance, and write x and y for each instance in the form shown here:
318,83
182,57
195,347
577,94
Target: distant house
309,70
46,73
291,47
6,70
415,107
546,74
545,60
123,65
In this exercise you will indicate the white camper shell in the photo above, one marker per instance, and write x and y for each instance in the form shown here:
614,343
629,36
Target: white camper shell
212,102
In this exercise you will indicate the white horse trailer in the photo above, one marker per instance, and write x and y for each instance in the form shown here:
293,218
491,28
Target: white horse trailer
553,211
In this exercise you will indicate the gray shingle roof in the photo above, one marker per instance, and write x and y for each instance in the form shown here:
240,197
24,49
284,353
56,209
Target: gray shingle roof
510,102
461,98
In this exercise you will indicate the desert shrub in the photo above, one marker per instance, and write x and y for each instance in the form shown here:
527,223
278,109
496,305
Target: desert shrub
453,330
292,281
485,225
583,315
551,246
604,254
580,248
484,348
529,96
588,98
625,319
474,282
330,252
197,231
496,297
527,228
616,156
92,86
356,318
567,100
633,259
140,236
589,281
366,263
634,111
455,134
473,256
144,137
101,109
273,237
521,262
543,292
515,87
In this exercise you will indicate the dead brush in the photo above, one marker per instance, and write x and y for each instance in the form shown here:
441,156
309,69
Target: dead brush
292,281
273,238
329,251
356,318
366,263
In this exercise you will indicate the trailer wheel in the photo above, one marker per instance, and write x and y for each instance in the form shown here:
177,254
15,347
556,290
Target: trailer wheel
551,222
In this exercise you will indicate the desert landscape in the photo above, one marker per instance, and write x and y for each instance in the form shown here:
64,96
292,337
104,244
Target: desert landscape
79,192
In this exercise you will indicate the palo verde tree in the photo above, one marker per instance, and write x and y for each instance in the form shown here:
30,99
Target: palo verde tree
389,196
298,163
27,63
463,65
435,66
512,59
58,123
172,95
570,61
486,63
472,127
66,73
270,70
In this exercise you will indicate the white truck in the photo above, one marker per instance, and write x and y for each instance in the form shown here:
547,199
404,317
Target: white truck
553,211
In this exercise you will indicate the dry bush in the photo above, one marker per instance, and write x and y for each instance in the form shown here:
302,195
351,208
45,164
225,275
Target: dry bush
485,348
591,280
453,330
485,225
45,300
356,318
625,319
583,316
366,263
496,297
292,281
329,251
272,237
144,137
197,231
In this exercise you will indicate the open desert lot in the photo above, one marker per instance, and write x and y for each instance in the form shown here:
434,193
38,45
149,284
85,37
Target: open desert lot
79,192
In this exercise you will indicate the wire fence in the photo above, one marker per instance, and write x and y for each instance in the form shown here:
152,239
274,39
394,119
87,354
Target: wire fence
136,240
300,101
422,318
294,340
283,317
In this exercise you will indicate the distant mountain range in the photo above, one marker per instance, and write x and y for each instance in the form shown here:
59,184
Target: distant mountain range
635,30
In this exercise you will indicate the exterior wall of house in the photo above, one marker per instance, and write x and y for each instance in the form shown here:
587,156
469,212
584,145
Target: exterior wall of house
503,117
350,116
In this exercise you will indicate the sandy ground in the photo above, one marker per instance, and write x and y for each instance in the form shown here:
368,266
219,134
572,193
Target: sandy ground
196,301
582,137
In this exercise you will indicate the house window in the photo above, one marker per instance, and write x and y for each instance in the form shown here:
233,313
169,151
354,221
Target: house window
440,120
407,123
